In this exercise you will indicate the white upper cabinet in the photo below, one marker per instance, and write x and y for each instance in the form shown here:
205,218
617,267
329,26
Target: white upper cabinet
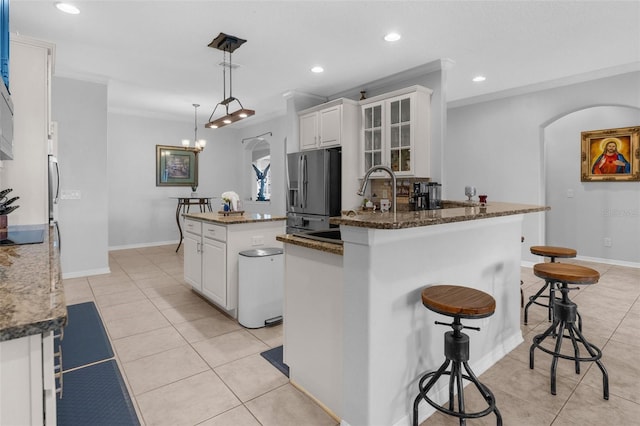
309,131
396,131
324,126
31,68
330,126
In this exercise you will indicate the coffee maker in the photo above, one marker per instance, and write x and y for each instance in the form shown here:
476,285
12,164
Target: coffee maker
426,195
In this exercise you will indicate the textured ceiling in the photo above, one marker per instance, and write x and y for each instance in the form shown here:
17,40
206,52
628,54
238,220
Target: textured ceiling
155,58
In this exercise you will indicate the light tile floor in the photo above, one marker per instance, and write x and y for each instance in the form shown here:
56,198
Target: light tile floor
186,363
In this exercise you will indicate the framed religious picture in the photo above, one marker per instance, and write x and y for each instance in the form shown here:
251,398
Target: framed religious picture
611,155
176,166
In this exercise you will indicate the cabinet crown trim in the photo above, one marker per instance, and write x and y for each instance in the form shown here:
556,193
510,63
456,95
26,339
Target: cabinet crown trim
399,92
335,102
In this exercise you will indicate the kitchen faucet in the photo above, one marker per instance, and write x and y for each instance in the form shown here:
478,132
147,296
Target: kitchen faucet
393,183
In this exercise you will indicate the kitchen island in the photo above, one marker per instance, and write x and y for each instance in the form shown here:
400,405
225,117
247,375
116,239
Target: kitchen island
367,331
212,243
32,307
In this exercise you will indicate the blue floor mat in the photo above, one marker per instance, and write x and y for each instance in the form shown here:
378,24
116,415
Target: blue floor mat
85,339
274,356
95,395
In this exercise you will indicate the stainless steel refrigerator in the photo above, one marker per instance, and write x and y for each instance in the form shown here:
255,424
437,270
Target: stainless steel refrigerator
314,181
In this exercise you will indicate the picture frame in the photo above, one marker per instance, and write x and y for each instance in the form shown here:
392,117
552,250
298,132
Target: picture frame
610,155
176,166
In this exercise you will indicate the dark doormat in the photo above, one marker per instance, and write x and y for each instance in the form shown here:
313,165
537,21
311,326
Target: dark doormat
95,395
274,356
85,340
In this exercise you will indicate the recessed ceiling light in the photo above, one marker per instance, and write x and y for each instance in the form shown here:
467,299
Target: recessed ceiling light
479,78
67,8
317,69
392,37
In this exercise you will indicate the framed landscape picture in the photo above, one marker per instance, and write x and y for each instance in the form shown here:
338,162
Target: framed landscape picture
176,166
611,155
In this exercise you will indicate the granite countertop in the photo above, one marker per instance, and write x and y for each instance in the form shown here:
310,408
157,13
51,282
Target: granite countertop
335,248
31,292
454,212
233,218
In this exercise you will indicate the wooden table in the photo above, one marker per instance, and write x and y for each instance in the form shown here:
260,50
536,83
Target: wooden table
184,203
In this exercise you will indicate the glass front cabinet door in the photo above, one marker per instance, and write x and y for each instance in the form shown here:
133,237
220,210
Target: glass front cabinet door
372,124
395,132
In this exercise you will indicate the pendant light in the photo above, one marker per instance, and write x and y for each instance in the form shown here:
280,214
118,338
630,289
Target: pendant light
228,44
198,144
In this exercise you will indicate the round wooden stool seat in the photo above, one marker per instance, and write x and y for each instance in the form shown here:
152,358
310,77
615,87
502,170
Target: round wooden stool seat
566,273
551,251
458,301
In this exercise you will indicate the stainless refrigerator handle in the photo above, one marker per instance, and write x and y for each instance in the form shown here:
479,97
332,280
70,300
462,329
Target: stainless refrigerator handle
300,189
57,197
304,181
286,178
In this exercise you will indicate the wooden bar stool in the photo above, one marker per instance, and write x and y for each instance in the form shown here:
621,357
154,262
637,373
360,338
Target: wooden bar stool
457,302
564,319
552,253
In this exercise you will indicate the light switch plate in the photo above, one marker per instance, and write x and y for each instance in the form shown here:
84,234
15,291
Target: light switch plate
70,194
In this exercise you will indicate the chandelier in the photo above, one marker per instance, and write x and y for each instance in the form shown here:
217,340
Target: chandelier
198,144
228,44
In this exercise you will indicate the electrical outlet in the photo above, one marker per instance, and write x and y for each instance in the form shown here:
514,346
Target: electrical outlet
570,193
607,241
257,240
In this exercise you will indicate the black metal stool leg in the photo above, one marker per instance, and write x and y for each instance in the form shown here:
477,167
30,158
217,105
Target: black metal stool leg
459,383
539,338
423,390
452,383
552,298
565,315
485,392
596,353
554,363
576,350
457,355
533,300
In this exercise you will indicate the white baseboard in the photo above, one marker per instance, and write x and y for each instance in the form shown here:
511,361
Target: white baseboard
88,273
609,261
528,264
143,245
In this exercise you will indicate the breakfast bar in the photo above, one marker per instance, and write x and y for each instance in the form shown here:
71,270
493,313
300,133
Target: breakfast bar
380,338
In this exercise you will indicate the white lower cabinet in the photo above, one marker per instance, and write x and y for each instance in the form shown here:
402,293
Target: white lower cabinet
211,255
27,386
193,259
214,270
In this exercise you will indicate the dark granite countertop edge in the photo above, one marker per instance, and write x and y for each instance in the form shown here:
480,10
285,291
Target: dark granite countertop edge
384,221
311,244
39,327
231,219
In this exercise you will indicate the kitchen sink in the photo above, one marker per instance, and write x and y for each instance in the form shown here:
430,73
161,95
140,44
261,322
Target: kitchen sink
325,235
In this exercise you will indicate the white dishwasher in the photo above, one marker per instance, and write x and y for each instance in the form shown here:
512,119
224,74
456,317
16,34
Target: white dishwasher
260,287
